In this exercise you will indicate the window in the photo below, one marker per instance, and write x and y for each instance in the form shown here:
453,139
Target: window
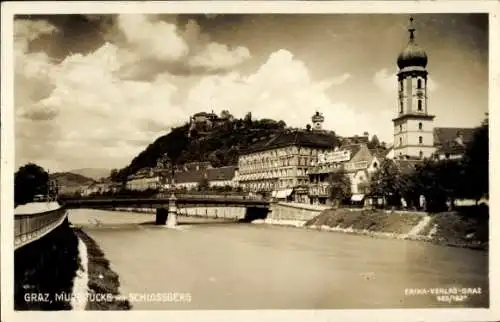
421,154
420,140
420,126
401,108
400,141
375,164
419,84
401,128
419,105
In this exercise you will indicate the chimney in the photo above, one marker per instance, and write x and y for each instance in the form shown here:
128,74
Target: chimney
366,134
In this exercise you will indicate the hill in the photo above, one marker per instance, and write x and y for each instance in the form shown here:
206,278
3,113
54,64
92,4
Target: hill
220,145
70,179
92,173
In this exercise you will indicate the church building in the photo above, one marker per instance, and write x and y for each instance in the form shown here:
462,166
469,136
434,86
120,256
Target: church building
415,136
413,124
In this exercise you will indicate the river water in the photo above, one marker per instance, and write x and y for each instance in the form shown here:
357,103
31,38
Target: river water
210,264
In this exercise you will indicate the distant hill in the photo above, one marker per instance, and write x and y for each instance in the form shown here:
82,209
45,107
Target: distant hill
92,173
71,179
70,183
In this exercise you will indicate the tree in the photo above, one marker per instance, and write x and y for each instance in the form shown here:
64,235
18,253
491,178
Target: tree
476,163
387,182
248,119
203,185
226,115
339,187
30,180
374,142
113,175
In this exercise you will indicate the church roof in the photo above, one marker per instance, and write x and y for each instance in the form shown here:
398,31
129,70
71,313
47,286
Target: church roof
412,54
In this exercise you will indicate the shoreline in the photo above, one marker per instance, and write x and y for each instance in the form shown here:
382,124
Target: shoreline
102,282
301,224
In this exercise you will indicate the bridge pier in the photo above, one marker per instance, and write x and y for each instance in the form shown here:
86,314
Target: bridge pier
172,212
253,213
161,216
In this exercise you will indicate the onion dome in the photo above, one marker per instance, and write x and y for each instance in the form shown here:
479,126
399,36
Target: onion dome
412,55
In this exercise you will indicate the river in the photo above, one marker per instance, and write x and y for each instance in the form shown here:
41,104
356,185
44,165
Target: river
212,264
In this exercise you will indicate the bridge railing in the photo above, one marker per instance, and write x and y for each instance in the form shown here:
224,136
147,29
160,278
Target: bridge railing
30,227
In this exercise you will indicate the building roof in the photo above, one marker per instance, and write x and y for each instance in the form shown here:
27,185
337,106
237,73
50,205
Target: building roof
221,174
451,148
211,174
444,135
300,138
352,148
195,166
189,176
354,139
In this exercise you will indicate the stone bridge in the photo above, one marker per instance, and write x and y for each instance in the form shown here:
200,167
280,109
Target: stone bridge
167,207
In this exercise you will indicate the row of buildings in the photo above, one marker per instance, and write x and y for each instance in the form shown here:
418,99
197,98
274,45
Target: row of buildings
297,164
294,165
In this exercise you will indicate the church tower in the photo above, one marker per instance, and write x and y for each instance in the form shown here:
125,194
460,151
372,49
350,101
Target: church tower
413,125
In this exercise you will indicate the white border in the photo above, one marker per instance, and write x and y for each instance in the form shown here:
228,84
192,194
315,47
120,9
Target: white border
7,153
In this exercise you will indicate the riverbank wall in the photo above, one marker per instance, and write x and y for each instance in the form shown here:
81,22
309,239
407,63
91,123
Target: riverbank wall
465,228
44,269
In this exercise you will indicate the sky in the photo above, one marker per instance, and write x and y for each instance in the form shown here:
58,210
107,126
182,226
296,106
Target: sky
92,91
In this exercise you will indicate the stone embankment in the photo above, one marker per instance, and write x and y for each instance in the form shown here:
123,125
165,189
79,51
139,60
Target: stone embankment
460,229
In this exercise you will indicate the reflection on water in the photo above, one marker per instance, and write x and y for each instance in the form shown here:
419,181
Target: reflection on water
227,265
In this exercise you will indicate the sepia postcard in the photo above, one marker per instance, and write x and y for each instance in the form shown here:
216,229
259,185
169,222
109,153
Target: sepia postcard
249,160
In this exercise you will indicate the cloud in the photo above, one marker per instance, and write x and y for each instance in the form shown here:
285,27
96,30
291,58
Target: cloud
217,56
282,89
153,39
25,31
31,70
155,46
387,82
90,116
341,79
